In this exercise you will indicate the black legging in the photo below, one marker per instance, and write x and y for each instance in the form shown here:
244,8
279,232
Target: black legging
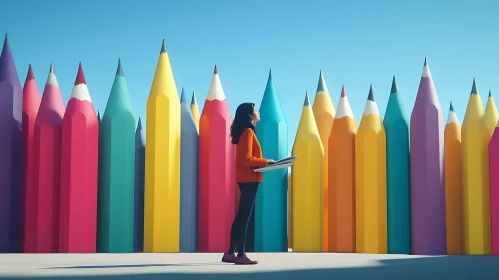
240,224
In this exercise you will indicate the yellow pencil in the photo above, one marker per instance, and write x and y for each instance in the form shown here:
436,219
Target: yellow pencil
324,116
162,164
476,189
491,114
370,182
308,185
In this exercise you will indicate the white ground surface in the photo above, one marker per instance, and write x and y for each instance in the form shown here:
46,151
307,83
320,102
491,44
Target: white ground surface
287,266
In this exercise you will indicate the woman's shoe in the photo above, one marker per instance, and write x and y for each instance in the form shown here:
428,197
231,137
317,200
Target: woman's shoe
244,260
229,258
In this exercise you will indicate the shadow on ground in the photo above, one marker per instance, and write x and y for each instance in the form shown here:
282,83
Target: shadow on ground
451,267
136,265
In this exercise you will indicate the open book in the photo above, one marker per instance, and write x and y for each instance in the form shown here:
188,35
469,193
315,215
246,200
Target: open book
285,160
282,163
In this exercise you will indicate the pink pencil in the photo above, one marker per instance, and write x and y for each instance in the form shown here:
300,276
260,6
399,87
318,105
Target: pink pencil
494,190
31,102
216,171
44,214
79,159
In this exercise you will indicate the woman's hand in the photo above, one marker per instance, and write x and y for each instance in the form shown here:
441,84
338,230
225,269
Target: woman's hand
270,161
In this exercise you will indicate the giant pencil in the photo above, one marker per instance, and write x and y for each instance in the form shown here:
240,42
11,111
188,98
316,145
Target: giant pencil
427,171
117,171
189,165
31,103
398,167
476,187
79,160
271,199
453,184
162,169
140,153
494,190
11,105
195,110
341,179
290,211
491,114
324,116
370,182
216,171
42,223
308,186
100,190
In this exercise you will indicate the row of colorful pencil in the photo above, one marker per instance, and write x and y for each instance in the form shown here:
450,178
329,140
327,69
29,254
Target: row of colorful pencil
389,186
49,164
82,183
84,186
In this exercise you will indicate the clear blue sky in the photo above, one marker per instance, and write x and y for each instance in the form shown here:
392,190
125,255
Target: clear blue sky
355,43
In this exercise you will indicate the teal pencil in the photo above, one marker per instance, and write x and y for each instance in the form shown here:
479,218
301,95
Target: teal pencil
117,171
398,179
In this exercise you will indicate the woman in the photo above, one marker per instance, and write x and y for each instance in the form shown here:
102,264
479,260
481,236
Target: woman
248,157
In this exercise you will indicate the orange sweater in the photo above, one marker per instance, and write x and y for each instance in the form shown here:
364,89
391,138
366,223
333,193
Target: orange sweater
249,156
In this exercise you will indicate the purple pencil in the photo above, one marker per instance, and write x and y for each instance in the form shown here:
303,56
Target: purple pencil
11,105
427,171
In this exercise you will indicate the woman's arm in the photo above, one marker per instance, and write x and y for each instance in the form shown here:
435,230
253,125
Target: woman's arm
246,143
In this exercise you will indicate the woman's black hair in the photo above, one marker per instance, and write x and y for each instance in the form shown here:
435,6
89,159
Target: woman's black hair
242,120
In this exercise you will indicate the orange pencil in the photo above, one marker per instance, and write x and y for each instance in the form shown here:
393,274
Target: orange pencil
341,179
453,184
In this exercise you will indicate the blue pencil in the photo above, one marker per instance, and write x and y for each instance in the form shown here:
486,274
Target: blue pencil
140,152
189,161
